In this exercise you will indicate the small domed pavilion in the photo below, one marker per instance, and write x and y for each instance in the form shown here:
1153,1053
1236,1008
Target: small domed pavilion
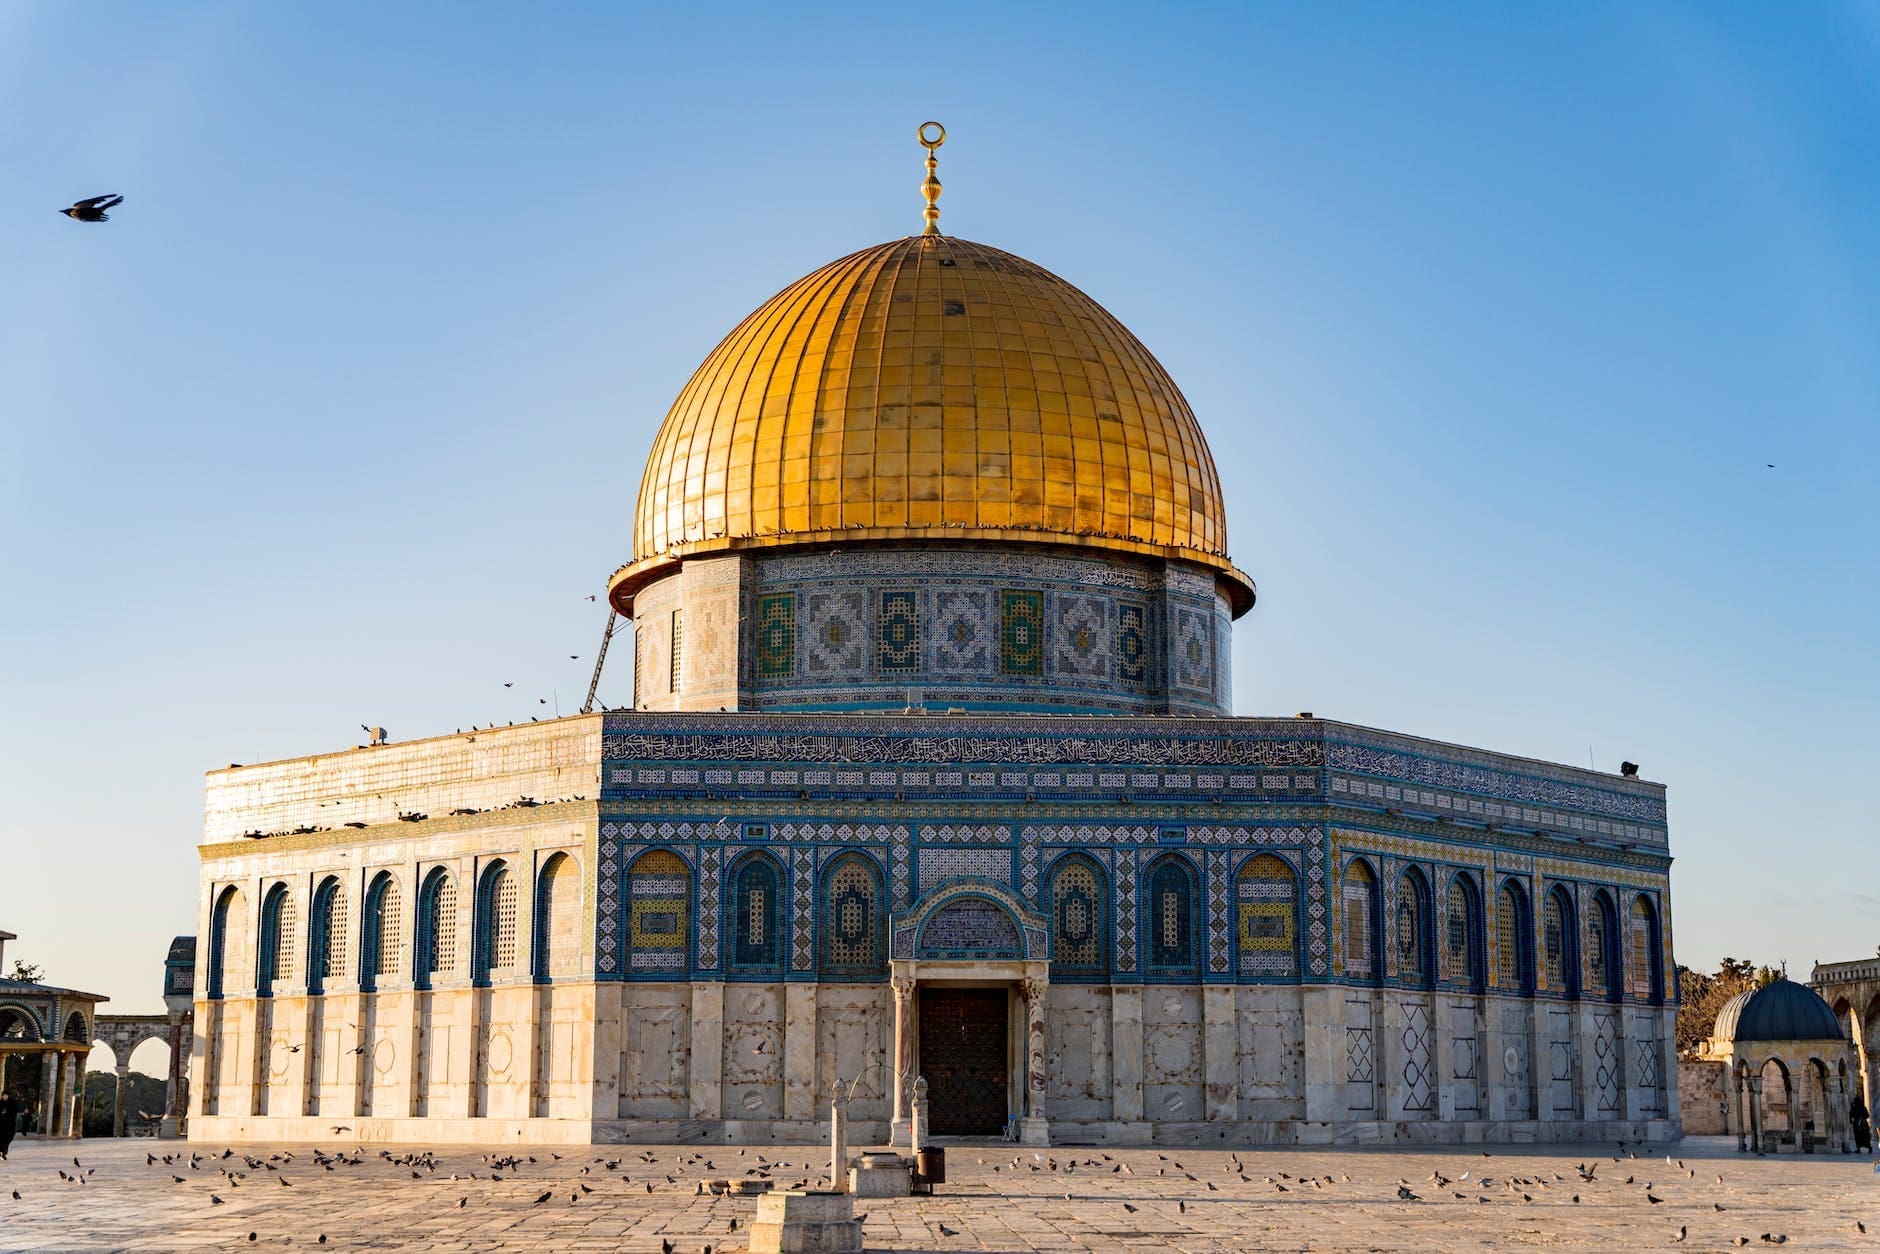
1783,1031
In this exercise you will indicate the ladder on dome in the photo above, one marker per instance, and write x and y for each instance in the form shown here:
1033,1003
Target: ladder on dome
600,660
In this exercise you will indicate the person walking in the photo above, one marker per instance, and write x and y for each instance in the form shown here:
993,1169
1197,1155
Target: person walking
1861,1124
9,1117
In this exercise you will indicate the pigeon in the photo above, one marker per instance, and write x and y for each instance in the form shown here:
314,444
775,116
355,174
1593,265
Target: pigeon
1405,1195
1129,1208
93,209
462,1202
545,1196
252,1236
214,1200
1654,1200
1679,1239
1778,1239
950,1232
1858,1227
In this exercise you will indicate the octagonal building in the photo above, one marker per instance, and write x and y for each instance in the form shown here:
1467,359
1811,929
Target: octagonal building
931,771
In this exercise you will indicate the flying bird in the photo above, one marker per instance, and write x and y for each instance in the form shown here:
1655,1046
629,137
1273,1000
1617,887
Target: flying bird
93,210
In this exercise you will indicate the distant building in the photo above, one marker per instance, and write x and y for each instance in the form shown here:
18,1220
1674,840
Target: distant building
45,1035
930,771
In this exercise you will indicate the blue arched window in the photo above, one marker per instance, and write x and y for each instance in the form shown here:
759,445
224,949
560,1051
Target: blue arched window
1645,961
279,922
1361,939
1173,926
1413,929
227,911
1462,933
495,948
382,936
1560,961
855,924
1080,920
436,948
1603,974
756,918
1514,940
558,918
326,958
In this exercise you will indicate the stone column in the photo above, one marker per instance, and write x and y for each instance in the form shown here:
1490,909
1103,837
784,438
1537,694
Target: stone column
1220,1054
1126,1053
117,1099
904,1061
1755,1083
1795,1109
51,1092
1034,1130
77,1126
1738,1107
168,1128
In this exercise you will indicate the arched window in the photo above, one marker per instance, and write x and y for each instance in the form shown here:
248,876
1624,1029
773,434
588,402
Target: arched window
1514,941
1357,903
1559,965
1602,948
1413,929
382,935
558,918
1080,921
756,917
327,956
1462,933
1173,952
437,928
659,895
227,912
1646,965
1267,913
854,925
279,921
495,934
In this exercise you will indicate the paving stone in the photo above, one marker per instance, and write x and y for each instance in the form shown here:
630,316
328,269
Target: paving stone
128,1205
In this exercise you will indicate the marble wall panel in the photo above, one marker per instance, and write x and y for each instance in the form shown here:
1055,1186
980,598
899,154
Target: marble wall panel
1270,1030
753,1051
854,1024
655,1063
1077,1052
1171,1053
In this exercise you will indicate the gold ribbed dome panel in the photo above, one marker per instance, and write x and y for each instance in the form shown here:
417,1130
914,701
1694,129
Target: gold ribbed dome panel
931,387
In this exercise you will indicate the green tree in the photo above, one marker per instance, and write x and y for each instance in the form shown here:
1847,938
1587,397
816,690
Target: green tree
26,972
143,1096
1702,995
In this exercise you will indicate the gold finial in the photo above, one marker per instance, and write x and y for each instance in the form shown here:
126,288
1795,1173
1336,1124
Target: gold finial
930,186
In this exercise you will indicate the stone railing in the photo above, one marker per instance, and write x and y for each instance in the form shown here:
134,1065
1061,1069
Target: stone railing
1845,972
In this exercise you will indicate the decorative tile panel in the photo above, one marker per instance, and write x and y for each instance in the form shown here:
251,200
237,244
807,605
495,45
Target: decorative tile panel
940,865
1132,644
897,631
1021,632
970,929
1081,638
963,631
1126,910
776,636
836,633
803,909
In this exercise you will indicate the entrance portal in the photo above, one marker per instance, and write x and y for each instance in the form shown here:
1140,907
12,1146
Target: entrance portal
963,1046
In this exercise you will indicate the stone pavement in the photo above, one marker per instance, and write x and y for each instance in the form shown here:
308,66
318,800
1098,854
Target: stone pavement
1058,1199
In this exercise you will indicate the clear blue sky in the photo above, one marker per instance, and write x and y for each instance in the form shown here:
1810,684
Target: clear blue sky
1493,314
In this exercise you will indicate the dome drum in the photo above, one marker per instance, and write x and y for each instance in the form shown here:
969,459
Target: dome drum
979,627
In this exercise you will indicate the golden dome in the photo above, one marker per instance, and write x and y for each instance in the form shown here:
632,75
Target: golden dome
930,388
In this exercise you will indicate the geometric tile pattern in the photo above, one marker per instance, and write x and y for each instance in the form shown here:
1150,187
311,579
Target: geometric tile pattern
1606,1061
897,631
940,865
854,922
708,863
658,885
835,632
1132,648
803,881
1220,942
1126,910
1021,632
963,631
1077,920
1193,654
776,636
1082,637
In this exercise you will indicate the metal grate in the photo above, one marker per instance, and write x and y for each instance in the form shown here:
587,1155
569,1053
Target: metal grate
1508,940
1459,924
1359,902
1077,914
440,941
676,657
501,941
388,908
332,918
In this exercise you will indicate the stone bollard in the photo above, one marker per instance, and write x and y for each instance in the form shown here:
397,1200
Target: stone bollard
917,1118
792,1220
838,1137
